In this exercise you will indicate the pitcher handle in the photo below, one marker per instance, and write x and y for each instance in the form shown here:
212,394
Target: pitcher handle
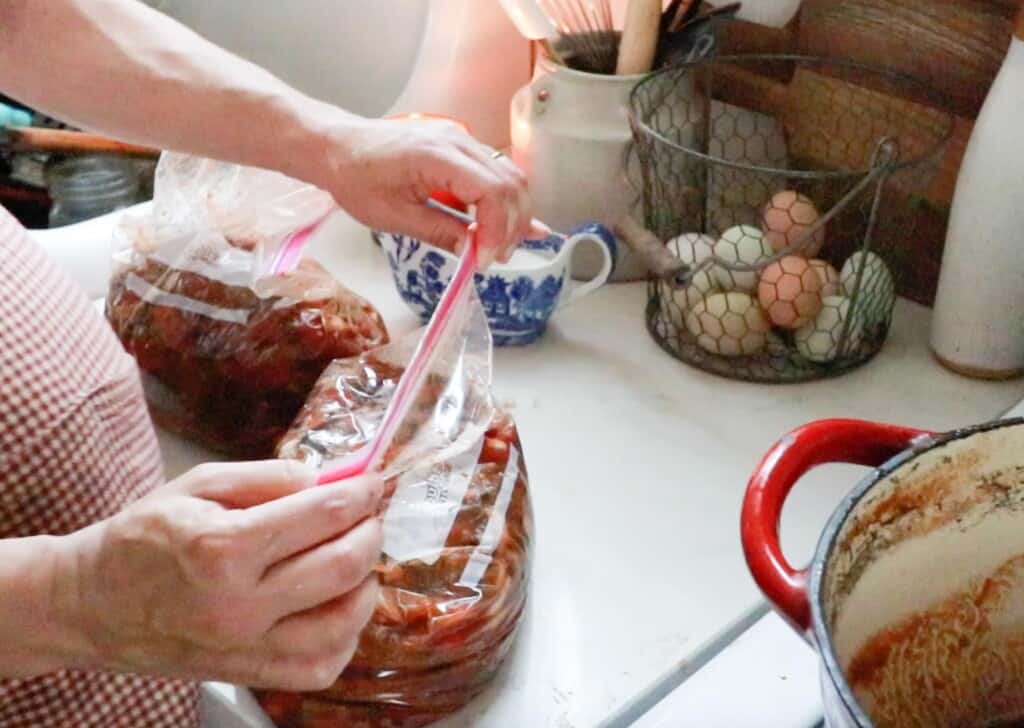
605,240
826,441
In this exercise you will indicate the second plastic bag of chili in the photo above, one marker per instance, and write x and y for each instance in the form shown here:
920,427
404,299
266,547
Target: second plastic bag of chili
457,530
228,349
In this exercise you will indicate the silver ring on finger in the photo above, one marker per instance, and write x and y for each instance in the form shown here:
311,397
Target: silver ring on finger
497,154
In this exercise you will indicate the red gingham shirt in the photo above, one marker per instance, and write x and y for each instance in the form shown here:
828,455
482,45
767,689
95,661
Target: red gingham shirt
76,445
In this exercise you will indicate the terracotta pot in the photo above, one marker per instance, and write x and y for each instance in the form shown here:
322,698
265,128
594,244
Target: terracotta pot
915,595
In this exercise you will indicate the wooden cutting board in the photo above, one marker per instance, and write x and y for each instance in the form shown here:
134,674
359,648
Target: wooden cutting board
837,124
955,45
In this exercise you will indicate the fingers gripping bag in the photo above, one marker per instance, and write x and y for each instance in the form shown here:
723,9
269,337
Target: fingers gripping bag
229,340
457,530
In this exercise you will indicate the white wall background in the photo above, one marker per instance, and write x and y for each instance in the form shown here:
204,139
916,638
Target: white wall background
357,53
460,58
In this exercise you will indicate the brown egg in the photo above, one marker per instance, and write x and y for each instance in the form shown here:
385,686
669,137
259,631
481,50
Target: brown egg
830,282
789,290
786,220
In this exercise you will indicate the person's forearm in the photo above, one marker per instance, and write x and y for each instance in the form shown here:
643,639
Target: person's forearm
34,636
123,69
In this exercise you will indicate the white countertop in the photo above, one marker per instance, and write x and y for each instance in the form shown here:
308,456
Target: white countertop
776,672
637,467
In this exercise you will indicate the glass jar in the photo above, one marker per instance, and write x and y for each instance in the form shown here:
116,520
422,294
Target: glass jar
89,186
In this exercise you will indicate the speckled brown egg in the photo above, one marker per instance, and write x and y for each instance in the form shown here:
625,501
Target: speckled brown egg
831,284
787,219
789,290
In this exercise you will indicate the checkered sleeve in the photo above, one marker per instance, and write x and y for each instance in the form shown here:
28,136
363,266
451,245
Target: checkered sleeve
76,445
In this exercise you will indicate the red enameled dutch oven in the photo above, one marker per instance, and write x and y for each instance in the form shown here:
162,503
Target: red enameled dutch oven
914,598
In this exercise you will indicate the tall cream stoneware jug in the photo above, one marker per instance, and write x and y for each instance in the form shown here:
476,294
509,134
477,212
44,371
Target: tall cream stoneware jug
978,322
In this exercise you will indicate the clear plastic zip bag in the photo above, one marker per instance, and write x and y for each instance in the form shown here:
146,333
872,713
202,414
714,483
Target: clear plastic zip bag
457,530
229,348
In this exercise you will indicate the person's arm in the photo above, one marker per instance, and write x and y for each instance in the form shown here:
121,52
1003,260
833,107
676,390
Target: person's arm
124,69
240,572
32,641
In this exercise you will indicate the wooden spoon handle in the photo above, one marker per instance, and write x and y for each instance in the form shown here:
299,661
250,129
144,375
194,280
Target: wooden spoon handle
62,141
658,258
639,37
682,15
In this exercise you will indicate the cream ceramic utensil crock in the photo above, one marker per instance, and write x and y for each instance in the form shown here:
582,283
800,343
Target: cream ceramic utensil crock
571,135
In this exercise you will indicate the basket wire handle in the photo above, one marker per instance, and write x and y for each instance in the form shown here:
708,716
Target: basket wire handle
883,162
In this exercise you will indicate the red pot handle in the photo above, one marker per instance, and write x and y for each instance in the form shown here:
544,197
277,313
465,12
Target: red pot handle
826,441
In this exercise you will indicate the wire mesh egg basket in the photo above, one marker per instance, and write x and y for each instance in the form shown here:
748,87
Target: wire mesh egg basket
788,186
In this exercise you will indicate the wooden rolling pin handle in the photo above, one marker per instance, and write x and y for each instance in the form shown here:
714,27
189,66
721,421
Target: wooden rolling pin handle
62,141
659,259
682,15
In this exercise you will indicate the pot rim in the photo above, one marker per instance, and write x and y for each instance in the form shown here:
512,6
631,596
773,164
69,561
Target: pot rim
826,544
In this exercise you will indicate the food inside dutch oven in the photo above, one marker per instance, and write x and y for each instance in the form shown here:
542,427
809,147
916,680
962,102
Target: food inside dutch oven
444,622
228,364
959,663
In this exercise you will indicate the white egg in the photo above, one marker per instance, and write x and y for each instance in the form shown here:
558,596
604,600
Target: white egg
740,244
692,248
877,288
729,324
820,340
679,301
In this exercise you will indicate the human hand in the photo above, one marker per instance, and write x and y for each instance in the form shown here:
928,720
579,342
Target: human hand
382,173
242,572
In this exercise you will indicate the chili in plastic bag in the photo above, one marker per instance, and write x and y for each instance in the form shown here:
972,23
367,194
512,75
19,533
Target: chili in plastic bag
229,352
457,532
